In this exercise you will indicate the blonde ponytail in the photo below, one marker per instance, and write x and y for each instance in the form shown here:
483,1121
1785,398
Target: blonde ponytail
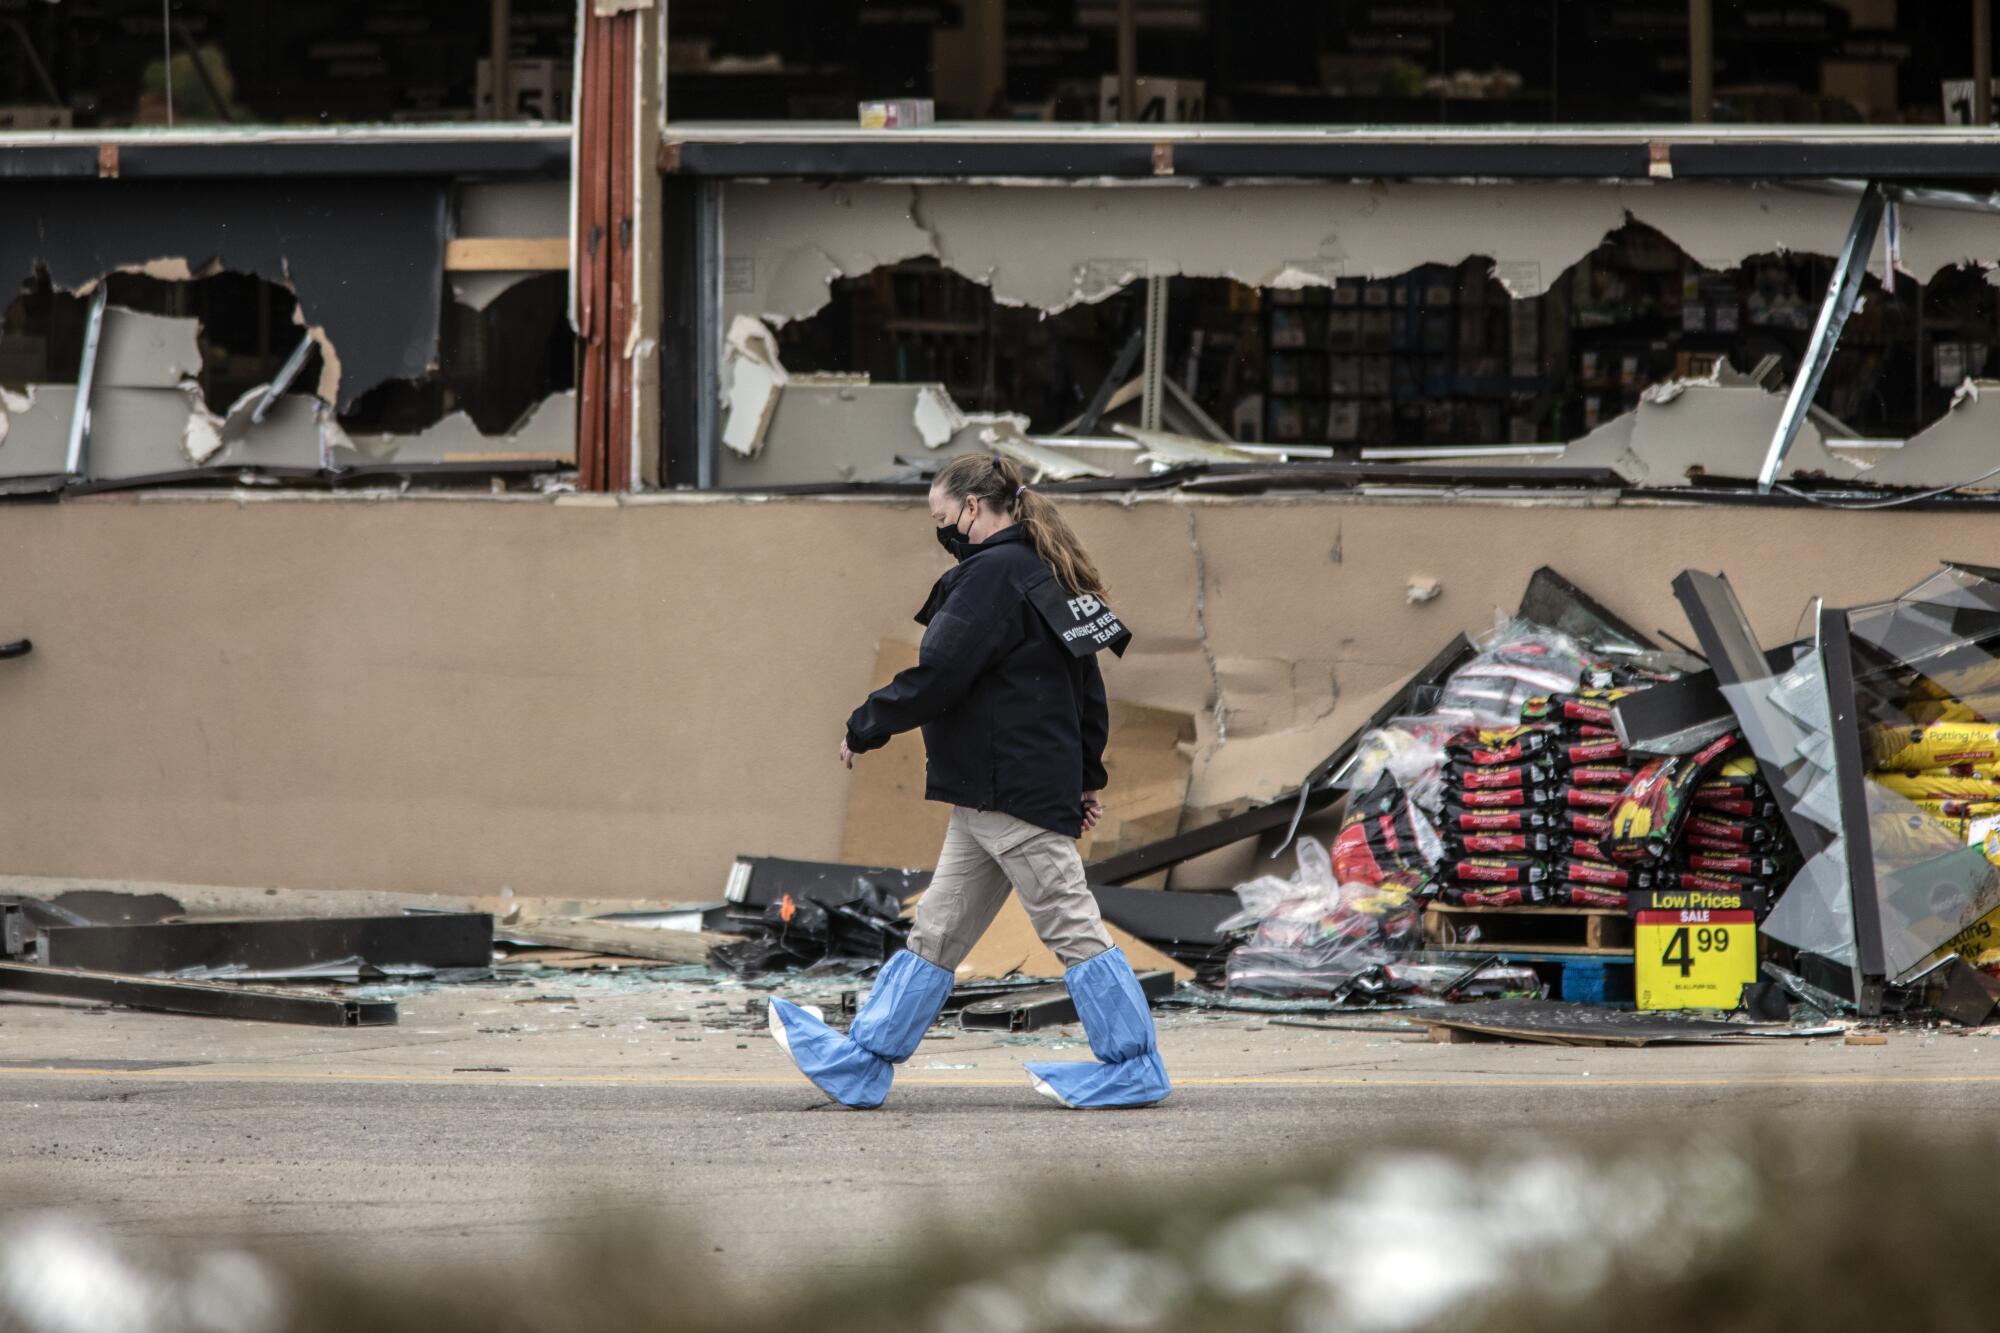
998,483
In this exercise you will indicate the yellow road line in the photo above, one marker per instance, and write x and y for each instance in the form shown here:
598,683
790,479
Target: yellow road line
918,1079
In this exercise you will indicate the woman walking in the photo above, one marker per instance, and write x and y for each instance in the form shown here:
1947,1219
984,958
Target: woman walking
1008,693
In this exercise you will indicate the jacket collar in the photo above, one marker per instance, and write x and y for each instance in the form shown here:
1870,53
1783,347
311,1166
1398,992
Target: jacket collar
1012,533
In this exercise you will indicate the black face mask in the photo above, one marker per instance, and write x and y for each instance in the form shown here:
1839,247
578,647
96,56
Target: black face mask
952,539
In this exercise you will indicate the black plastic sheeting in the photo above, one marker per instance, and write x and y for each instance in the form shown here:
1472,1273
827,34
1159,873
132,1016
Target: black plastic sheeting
858,931
364,257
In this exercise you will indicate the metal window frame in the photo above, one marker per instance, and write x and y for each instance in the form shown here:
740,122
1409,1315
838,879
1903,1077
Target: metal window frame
1841,293
75,458
1836,646
709,333
1733,653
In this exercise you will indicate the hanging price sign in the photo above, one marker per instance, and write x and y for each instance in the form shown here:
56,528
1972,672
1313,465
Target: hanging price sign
1693,949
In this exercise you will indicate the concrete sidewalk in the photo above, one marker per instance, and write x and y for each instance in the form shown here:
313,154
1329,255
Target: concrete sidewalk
494,1116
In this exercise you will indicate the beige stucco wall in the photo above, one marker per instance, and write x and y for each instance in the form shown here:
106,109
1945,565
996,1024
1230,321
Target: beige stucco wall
437,695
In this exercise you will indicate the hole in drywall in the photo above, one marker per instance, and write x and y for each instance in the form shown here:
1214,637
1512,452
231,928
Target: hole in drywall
918,321
494,364
244,330
1441,354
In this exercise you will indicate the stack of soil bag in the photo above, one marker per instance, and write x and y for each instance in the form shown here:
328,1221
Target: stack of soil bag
1514,791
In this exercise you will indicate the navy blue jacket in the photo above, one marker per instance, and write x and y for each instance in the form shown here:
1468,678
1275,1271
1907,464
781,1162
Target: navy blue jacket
1006,688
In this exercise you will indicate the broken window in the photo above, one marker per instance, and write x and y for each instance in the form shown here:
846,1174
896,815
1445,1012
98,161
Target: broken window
218,375
1644,336
212,62
1344,62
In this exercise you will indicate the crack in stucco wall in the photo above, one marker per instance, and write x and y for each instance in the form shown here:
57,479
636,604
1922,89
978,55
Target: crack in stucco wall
1220,711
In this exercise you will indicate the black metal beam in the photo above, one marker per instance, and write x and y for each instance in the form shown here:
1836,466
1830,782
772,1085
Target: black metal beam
194,997
1857,834
1045,1006
1683,715
1218,153
1735,657
1245,478
1183,916
862,158
1143,861
440,939
234,157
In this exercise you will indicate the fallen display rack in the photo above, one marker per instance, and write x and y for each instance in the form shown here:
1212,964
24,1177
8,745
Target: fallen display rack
194,997
1554,1023
437,940
1044,1006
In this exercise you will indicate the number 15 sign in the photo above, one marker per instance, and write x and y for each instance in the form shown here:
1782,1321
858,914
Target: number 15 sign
1693,950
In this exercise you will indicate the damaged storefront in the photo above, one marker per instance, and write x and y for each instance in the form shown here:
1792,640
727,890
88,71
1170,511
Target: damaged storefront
1321,398
382,304
1114,304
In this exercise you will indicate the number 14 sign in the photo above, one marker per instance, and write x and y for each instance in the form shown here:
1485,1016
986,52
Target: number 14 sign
1693,955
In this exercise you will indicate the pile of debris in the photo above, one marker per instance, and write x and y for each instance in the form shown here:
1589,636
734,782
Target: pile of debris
1529,799
1501,830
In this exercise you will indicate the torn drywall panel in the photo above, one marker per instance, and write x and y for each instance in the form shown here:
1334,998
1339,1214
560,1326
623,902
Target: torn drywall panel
1286,235
1955,450
826,429
784,429
782,243
36,440
1053,247
201,437
545,436
786,242
362,256
476,291
937,416
535,208
1009,437
1699,429
1720,226
141,351
511,208
755,377
143,433
1162,450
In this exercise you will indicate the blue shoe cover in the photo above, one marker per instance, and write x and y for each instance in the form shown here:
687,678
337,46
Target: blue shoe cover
855,1069
1119,1024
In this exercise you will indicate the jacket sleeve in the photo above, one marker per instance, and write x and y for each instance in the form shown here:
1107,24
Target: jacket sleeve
1093,717
964,637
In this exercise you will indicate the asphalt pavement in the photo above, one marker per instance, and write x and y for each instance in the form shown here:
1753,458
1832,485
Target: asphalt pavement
494,1118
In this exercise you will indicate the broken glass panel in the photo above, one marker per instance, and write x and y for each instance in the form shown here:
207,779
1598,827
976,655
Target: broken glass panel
1926,710
1815,914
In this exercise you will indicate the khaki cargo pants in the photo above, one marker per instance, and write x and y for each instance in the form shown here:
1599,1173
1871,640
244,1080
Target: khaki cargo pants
987,852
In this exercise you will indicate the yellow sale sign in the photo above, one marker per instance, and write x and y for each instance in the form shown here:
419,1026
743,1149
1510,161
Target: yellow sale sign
1697,958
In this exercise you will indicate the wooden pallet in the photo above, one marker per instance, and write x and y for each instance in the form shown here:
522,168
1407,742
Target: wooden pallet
1582,931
